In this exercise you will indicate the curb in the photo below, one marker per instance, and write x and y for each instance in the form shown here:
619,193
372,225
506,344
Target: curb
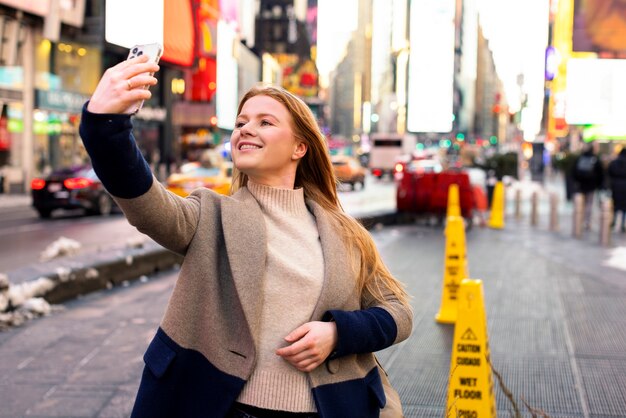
74,277
109,273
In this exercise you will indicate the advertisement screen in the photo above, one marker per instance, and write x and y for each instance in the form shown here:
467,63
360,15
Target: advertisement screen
596,92
431,66
227,75
599,26
134,22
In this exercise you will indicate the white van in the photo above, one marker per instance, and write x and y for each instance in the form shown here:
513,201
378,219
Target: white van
386,150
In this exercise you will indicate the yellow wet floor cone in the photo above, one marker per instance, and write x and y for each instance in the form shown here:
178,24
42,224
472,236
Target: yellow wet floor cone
454,270
496,217
470,390
454,207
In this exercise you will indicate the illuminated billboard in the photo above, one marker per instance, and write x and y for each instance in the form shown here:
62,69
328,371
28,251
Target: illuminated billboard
134,22
227,75
596,92
431,66
599,26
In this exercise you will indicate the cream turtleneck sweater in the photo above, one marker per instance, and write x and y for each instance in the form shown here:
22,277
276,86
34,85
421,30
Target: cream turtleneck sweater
291,288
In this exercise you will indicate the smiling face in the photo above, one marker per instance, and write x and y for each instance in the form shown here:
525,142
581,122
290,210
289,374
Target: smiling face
264,146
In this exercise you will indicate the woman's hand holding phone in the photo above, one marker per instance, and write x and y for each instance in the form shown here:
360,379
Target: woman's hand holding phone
123,87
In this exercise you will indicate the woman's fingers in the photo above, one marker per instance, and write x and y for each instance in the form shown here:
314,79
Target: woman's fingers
307,365
140,81
311,343
123,85
304,361
138,69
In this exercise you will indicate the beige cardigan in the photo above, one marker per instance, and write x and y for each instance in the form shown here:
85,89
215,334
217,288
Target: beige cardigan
215,305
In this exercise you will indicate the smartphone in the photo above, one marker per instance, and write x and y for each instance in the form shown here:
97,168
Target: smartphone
154,51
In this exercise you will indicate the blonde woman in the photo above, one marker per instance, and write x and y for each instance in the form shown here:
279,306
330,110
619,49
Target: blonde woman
282,298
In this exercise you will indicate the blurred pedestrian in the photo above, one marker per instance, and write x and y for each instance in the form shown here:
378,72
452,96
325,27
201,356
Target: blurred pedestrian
588,173
282,297
617,179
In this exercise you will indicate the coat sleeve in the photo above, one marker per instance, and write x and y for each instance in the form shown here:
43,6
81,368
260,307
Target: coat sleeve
168,219
373,328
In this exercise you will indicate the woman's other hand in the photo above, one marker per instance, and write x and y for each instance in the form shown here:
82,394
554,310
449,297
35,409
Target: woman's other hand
310,345
121,87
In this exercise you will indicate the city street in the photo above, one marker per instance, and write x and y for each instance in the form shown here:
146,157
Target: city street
518,105
556,312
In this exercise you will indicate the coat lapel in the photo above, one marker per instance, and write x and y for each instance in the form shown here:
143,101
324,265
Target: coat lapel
246,245
339,281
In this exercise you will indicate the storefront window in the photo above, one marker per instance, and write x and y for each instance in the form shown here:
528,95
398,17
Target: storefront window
78,67
66,66
65,75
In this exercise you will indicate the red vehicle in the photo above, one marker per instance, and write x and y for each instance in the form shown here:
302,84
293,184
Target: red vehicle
425,193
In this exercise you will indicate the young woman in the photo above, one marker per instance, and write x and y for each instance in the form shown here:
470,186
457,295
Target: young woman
282,297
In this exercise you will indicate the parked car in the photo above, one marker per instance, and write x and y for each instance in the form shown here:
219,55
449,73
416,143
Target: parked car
349,170
71,188
194,175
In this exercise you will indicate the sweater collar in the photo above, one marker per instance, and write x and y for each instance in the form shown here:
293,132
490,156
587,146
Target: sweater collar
273,199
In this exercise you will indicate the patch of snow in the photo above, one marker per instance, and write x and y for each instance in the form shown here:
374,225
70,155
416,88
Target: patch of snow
4,292
4,281
37,306
64,273
21,302
4,301
33,308
20,293
129,260
91,273
60,248
135,242
617,259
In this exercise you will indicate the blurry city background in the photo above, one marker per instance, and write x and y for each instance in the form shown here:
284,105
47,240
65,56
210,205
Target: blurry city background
507,85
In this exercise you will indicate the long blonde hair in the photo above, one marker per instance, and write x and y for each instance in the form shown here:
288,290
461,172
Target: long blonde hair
316,176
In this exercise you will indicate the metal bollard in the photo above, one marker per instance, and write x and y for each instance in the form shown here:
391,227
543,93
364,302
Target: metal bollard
578,215
554,211
518,203
606,217
534,215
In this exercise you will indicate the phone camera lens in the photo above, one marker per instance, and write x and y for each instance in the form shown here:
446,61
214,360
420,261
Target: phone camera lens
140,53
134,50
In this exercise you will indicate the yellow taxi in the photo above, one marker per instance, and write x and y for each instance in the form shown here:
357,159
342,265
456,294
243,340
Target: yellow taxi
194,175
349,171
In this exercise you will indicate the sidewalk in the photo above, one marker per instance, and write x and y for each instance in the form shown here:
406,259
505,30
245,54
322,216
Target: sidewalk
556,316
14,200
586,252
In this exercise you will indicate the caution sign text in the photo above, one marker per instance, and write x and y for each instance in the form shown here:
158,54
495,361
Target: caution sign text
470,390
455,269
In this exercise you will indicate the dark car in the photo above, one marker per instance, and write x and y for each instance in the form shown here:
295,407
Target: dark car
71,188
